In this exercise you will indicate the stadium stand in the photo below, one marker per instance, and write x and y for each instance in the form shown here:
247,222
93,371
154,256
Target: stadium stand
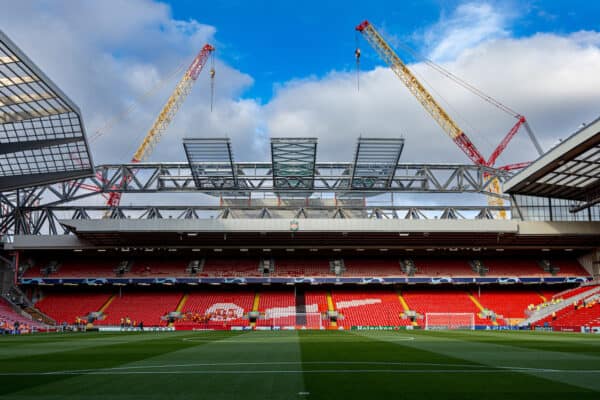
230,268
140,307
372,267
8,316
277,308
221,307
514,267
302,267
157,268
442,300
443,267
66,307
510,303
369,307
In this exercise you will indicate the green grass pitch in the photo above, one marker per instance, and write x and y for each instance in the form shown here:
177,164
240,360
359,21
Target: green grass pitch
301,365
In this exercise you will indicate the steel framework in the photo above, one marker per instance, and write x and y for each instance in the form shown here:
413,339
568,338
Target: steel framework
42,137
36,210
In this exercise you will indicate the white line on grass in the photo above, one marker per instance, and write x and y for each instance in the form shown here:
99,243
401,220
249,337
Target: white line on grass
315,371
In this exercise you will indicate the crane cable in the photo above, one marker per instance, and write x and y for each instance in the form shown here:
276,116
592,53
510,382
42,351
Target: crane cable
357,55
212,80
473,89
148,93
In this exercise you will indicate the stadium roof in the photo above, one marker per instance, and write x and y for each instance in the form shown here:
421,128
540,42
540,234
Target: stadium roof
571,170
42,138
375,162
293,161
319,233
211,162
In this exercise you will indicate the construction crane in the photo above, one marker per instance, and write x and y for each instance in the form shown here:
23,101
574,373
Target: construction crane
444,120
166,115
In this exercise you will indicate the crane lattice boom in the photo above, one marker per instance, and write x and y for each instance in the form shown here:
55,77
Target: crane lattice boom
421,94
182,90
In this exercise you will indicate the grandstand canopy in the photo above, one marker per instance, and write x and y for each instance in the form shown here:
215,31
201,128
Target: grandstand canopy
571,170
42,138
211,162
375,162
293,161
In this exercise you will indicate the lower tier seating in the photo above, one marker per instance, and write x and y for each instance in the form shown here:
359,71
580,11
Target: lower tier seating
66,307
359,305
278,308
140,307
221,308
442,301
8,317
368,308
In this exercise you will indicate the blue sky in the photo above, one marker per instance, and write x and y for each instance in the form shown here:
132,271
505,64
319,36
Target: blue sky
277,41
287,69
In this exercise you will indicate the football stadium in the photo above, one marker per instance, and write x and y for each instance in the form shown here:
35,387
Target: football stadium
291,277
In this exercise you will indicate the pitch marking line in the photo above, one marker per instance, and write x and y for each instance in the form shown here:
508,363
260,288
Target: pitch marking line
317,371
286,339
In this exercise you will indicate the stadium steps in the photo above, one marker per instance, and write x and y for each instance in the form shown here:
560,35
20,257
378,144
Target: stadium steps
180,305
255,305
405,306
568,302
479,306
182,302
107,303
37,315
331,307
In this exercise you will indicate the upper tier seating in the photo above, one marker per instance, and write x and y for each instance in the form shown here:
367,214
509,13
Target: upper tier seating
66,307
514,267
369,307
218,267
225,308
569,268
441,267
141,307
78,268
157,268
302,267
372,267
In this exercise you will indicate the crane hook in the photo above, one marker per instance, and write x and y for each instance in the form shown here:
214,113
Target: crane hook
357,55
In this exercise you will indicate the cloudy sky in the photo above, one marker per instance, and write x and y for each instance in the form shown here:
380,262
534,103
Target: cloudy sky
288,69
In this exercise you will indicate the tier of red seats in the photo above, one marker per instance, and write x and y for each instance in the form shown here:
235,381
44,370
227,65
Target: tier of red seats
157,268
583,316
442,301
569,268
302,267
317,297
299,267
368,308
566,294
514,267
277,307
508,303
239,267
141,307
442,267
224,307
8,316
372,268
66,307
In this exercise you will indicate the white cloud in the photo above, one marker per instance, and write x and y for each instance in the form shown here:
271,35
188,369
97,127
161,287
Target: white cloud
104,64
467,26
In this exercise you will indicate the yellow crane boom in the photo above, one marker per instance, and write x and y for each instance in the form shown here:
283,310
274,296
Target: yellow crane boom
164,118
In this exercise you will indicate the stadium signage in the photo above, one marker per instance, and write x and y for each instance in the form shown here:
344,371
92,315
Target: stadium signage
288,280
